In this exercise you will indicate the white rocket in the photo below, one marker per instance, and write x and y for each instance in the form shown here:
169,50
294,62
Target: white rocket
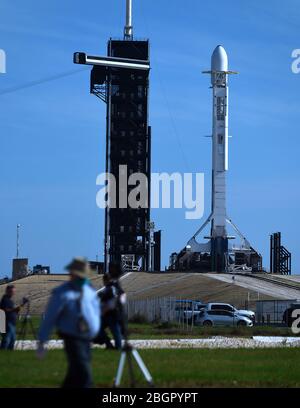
217,245
219,70
219,80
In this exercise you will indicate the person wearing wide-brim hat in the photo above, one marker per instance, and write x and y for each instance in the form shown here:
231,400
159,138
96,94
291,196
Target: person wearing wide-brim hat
79,267
74,310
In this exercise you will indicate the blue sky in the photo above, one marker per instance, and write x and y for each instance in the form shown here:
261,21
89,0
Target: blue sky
52,135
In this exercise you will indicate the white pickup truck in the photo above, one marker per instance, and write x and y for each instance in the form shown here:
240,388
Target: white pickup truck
188,310
226,306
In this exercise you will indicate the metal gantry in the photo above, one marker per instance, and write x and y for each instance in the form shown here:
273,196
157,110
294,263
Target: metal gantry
121,80
280,257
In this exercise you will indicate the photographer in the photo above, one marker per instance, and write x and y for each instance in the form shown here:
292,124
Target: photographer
11,313
111,315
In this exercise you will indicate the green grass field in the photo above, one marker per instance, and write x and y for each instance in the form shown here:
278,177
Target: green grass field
182,368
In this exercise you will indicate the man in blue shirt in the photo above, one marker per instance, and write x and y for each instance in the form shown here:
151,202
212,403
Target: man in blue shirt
11,313
74,310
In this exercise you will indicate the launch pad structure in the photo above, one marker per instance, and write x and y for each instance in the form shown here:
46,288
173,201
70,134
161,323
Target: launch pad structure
217,255
121,80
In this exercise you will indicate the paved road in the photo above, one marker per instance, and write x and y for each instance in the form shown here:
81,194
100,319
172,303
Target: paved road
256,285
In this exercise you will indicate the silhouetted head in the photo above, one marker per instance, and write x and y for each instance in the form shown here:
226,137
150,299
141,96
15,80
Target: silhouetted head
10,290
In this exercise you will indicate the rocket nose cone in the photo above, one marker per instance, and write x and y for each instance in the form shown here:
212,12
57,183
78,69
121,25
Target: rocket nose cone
219,60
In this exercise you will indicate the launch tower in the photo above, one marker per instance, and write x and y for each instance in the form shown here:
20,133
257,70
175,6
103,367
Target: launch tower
121,80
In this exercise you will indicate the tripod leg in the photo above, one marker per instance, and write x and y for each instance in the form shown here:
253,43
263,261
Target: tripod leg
22,333
19,335
22,327
33,332
118,378
25,332
142,366
130,369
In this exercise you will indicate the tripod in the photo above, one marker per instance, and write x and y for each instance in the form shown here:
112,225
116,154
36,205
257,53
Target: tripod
129,353
26,321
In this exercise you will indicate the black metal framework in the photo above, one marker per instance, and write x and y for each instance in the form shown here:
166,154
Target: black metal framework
280,257
157,251
128,136
219,251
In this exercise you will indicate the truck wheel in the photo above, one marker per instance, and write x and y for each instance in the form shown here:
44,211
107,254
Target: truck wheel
241,323
207,323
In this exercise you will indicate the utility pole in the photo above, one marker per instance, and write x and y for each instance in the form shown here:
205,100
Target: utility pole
18,240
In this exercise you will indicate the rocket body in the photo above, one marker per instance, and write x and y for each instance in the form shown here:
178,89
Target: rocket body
219,238
223,258
219,68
